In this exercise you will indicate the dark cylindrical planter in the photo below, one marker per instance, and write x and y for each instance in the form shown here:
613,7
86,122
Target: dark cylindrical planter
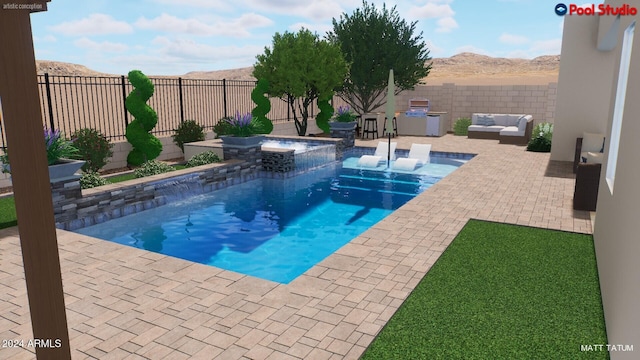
345,131
248,141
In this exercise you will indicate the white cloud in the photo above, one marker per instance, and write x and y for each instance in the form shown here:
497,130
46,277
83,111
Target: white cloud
320,29
472,49
434,50
108,46
513,39
446,24
311,9
45,39
191,51
561,26
94,24
171,23
546,47
238,27
207,4
431,10
538,48
250,20
519,54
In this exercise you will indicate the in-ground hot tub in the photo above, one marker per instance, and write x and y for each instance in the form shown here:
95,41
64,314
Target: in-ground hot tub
279,155
284,155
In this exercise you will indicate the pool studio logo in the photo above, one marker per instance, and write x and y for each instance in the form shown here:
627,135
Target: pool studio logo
593,9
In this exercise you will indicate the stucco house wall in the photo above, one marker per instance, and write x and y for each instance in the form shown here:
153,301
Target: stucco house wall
585,103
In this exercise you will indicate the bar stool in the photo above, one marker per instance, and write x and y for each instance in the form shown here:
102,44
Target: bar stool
358,125
394,133
370,127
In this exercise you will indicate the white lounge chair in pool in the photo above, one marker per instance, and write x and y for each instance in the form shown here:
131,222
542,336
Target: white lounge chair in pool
379,156
418,156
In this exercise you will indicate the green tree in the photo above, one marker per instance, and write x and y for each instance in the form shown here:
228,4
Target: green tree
373,42
301,68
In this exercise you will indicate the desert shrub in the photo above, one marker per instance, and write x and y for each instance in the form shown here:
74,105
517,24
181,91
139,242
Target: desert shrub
93,147
541,138
223,126
92,179
152,167
188,131
207,157
461,126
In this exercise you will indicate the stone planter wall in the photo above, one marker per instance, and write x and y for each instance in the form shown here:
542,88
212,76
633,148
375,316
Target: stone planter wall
75,208
344,131
249,154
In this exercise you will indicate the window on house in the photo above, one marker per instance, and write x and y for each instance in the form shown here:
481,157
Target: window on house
618,111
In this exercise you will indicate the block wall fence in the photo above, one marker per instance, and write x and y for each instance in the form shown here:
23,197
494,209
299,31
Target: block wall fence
463,100
457,100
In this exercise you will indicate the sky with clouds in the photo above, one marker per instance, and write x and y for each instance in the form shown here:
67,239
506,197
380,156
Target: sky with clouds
173,37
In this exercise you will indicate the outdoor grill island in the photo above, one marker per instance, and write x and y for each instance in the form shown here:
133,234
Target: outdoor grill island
418,120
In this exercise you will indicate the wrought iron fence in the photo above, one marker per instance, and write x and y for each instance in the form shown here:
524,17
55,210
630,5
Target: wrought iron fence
70,103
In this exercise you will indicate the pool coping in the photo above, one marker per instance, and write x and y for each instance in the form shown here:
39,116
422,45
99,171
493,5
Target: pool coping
125,302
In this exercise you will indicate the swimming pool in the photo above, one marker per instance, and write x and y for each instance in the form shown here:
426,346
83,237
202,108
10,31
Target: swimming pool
275,229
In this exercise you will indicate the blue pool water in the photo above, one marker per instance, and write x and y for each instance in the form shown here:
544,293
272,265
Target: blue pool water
275,229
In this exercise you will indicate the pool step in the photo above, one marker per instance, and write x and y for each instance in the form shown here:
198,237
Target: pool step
375,190
395,181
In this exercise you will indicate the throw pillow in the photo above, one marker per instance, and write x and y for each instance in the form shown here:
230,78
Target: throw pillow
592,142
522,123
482,120
489,120
594,157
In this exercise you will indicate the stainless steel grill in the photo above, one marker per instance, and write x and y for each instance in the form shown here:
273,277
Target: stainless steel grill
418,108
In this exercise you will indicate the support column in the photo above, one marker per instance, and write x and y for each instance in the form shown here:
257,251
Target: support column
23,123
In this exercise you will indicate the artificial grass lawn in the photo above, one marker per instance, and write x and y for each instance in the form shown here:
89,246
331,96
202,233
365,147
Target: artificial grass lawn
7,212
130,176
121,178
501,292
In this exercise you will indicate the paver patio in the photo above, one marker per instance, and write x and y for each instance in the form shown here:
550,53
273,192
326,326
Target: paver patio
126,303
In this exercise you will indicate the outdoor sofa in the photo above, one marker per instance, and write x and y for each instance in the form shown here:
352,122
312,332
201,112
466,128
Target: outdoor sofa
508,128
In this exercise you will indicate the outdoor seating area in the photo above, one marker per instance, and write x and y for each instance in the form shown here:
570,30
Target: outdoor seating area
508,128
418,156
381,154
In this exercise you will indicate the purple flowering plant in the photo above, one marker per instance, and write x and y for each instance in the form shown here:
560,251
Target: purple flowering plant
240,125
344,114
57,147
